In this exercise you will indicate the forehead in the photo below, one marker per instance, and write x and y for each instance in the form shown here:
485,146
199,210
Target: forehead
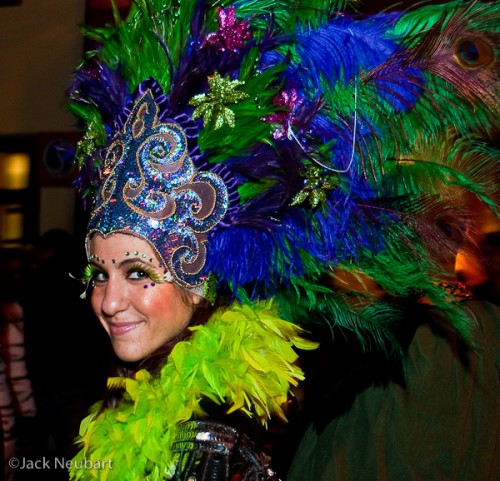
121,245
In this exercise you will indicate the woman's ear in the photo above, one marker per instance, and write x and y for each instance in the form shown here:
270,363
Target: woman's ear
195,299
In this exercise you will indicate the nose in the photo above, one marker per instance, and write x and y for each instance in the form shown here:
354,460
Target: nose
114,298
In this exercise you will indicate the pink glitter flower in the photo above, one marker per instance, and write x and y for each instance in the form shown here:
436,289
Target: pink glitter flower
231,34
288,100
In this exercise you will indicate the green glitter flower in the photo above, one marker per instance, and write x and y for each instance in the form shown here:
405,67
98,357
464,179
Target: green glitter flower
315,187
212,105
94,138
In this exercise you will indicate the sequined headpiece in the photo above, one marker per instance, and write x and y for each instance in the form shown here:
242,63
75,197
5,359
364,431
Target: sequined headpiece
269,145
150,187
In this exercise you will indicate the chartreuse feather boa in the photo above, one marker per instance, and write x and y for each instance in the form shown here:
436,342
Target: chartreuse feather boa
244,358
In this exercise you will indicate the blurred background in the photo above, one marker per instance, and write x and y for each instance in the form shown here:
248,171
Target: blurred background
40,45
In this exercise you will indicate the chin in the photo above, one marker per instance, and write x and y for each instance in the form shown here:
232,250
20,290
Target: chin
126,355
129,358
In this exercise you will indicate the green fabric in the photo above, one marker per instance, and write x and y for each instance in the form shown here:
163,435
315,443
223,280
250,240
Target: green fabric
444,425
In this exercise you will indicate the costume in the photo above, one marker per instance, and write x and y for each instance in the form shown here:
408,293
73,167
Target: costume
242,357
433,417
256,148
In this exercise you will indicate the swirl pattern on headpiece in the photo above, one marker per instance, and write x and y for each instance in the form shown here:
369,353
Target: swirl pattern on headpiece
150,187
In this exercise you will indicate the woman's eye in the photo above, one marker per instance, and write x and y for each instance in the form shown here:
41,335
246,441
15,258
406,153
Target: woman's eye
138,274
99,276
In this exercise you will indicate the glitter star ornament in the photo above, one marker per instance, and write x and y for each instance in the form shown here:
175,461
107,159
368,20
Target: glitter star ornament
212,105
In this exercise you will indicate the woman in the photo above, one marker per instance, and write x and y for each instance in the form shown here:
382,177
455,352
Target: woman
237,159
145,316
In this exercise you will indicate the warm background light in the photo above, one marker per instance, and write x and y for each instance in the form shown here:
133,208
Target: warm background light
11,223
14,171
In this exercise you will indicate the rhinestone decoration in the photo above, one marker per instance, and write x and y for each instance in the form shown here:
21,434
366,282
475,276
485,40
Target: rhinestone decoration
151,188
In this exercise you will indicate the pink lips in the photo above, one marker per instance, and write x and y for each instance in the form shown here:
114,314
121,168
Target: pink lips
122,328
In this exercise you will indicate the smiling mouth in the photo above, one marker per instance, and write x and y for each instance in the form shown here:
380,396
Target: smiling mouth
120,329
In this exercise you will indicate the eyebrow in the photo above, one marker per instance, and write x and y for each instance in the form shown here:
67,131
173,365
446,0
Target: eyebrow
124,262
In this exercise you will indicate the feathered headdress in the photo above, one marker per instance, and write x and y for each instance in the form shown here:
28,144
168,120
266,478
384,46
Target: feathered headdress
272,145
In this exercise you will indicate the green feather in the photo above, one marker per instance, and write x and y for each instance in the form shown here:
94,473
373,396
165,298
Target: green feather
244,358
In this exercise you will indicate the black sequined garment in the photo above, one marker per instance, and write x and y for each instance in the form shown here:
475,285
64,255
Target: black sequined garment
211,451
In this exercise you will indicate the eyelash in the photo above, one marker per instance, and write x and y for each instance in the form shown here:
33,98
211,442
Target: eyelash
91,271
151,273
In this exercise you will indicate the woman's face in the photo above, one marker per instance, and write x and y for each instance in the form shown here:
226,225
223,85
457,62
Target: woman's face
139,311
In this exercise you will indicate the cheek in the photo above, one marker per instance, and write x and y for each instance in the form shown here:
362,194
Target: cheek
96,305
95,301
152,301
167,305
